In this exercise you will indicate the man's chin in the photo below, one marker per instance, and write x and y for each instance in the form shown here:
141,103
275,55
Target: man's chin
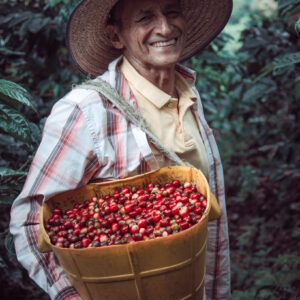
165,60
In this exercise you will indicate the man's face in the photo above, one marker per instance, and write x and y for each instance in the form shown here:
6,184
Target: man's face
152,33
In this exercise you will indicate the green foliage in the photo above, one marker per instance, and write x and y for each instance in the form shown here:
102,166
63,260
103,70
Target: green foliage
239,11
13,123
14,128
297,26
16,132
34,52
15,94
287,7
286,60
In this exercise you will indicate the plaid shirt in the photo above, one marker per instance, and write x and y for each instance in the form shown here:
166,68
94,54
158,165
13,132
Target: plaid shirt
85,139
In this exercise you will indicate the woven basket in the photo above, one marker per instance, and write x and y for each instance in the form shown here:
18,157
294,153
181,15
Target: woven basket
167,268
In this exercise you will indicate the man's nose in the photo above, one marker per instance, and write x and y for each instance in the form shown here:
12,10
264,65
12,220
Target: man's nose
163,25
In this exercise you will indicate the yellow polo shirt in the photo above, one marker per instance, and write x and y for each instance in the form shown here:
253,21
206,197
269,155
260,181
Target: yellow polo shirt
170,119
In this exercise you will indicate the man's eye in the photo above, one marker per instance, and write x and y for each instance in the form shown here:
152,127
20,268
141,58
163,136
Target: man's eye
144,18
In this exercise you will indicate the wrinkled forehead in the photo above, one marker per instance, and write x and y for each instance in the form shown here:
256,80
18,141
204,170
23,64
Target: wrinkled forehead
137,6
147,2
128,7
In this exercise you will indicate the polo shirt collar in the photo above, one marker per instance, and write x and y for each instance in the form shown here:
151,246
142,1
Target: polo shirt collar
154,94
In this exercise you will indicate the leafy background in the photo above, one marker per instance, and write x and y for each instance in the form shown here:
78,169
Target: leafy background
249,80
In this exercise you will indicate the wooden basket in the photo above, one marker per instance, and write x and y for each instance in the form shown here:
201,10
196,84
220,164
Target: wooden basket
167,268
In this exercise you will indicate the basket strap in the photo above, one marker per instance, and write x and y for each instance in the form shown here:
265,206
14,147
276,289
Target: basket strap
131,114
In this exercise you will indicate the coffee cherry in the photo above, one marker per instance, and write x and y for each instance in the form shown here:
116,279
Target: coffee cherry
142,223
124,229
134,229
85,242
156,217
183,211
164,233
125,190
115,227
164,222
184,225
176,183
103,238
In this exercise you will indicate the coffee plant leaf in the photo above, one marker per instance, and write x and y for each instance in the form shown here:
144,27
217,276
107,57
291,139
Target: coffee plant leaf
17,18
2,263
5,19
38,23
8,172
242,295
9,243
284,6
16,93
36,133
286,60
34,24
297,26
13,19
8,52
14,123
257,91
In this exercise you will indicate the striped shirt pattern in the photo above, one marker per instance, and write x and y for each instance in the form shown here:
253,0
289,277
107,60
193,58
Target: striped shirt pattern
86,139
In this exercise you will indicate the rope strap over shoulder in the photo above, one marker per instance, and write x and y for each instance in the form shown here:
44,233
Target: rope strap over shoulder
131,114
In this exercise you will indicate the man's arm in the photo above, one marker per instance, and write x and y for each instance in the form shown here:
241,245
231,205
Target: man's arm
64,160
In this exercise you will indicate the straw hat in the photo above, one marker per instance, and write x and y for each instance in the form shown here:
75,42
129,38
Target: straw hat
92,51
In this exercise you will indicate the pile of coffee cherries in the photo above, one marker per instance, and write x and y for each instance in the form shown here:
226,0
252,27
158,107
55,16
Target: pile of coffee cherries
128,215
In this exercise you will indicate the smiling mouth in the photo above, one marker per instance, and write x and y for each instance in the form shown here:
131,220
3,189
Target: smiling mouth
164,44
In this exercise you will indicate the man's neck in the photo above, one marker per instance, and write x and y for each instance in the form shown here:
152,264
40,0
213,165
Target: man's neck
163,78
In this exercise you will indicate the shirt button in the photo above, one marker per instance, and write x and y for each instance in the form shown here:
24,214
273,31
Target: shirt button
170,105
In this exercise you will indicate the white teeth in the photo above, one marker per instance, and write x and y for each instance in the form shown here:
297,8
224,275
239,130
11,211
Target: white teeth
162,44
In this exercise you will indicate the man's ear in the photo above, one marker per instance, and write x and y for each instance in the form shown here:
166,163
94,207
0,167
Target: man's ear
112,32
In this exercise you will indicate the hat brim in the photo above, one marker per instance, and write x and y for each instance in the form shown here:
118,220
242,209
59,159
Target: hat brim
92,51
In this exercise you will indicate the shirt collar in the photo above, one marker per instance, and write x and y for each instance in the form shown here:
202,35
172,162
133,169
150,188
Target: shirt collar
183,88
158,97
188,74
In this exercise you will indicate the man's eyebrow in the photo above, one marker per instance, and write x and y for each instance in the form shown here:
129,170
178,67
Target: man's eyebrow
144,12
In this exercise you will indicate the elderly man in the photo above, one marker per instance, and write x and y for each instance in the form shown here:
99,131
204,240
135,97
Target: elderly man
135,46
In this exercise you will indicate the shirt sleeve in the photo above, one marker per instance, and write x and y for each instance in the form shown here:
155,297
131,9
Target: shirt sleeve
65,160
